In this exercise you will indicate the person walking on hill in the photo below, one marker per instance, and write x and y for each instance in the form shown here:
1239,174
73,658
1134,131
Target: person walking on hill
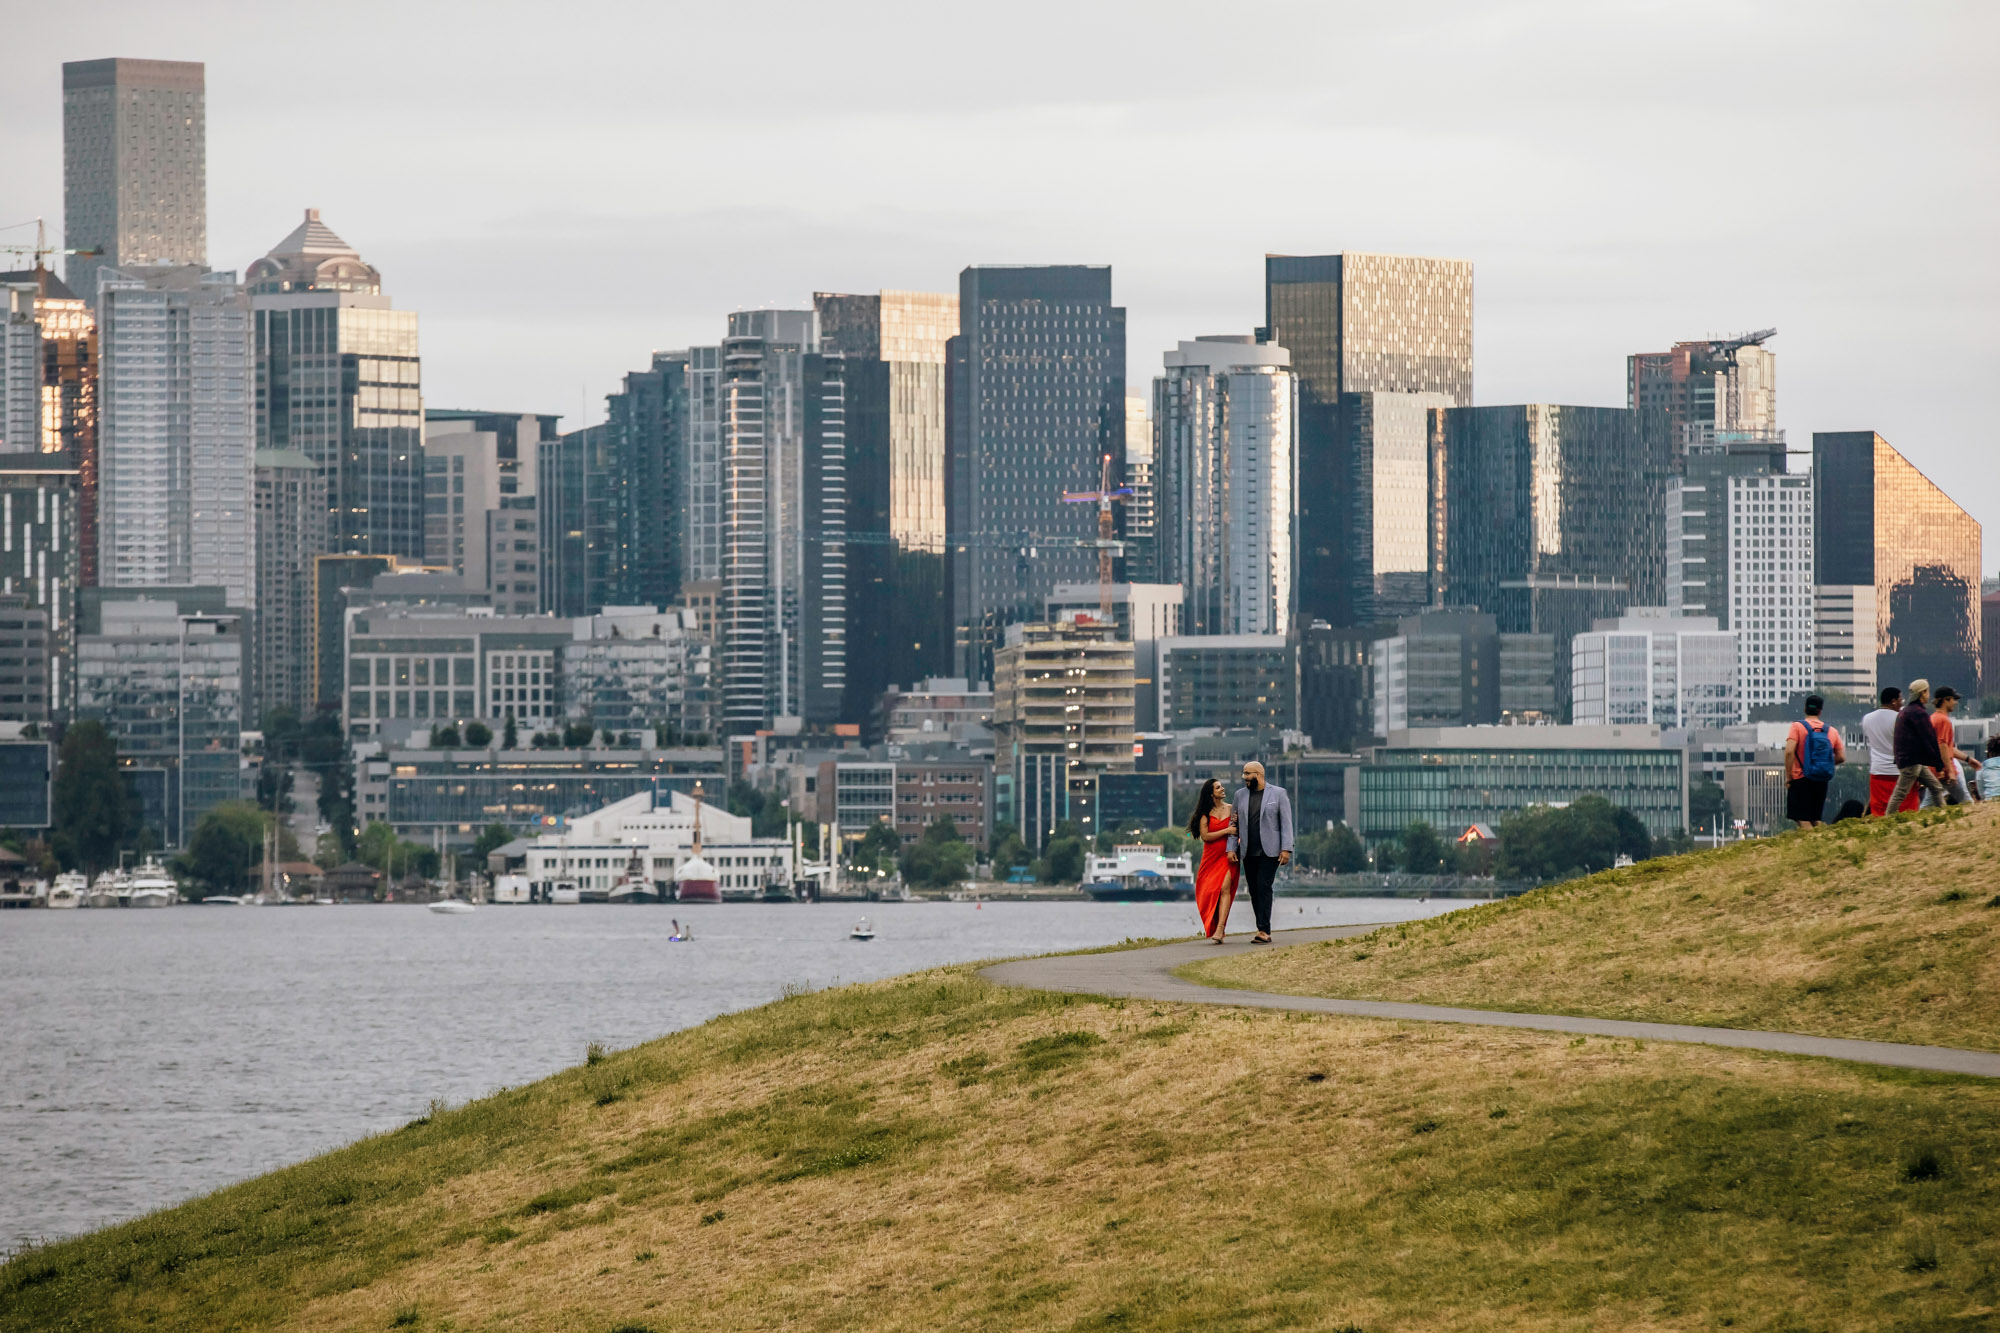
1813,750
1917,755
1264,816
1878,733
1213,824
1953,773
1989,772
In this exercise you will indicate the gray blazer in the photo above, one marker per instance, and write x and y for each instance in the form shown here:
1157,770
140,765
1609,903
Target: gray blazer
1274,830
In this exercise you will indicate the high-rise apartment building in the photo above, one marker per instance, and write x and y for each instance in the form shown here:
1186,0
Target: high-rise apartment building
1709,389
290,506
135,166
1886,533
784,636
576,500
1771,586
898,618
1359,324
1138,526
1698,530
176,431
628,668
1037,403
1062,714
1552,517
704,519
1224,483
48,386
1649,667
1456,668
41,549
340,381
646,435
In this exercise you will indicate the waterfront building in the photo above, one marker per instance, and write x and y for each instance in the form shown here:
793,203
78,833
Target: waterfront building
1771,591
1224,483
1037,403
1649,666
1324,787
290,506
578,517
1551,517
898,618
628,668
164,669
1062,713
1228,681
135,166
647,485
1454,668
936,779
1450,777
339,379
176,429
48,387
855,794
1885,532
1359,324
1708,389
27,778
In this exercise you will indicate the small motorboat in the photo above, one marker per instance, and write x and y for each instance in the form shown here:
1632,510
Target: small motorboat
452,907
152,886
862,930
564,893
221,900
68,890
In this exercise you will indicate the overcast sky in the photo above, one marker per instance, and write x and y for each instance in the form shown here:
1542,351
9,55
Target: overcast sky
560,189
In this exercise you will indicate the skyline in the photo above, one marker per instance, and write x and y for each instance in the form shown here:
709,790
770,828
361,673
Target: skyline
1619,181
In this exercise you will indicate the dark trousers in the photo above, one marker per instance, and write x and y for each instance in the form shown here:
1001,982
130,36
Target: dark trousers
1258,872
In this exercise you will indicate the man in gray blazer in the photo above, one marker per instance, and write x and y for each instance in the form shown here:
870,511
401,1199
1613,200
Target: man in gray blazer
1264,814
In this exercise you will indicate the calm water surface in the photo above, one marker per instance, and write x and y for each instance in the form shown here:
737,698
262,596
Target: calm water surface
147,1057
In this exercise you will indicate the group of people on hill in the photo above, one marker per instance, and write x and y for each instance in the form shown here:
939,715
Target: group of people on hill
1913,757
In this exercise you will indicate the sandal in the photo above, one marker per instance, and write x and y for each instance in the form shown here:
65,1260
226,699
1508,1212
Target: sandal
1260,939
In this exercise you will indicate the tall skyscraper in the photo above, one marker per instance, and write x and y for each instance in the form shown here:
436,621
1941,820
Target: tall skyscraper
1770,524
704,465
646,432
40,553
1037,402
481,521
898,621
1709,389
339,380
1887,534
1552,516
1138,526
175,433
1698,517
1358,324
48,386
135,166
784,446
1385,438
291,521
576,498
1224,483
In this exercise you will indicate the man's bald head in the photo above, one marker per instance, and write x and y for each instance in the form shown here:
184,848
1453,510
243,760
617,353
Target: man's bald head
1253,774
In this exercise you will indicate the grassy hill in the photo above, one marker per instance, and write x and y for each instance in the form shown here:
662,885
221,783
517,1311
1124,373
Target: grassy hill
1883,929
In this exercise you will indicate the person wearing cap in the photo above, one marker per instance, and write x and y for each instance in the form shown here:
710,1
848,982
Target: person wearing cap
1953,772
1878,732
1917,756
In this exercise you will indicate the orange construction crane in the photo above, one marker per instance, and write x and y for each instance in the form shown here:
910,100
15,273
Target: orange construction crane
1107,544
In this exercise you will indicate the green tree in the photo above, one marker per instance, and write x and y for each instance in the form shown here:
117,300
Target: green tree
445,737
1062,862
1337,850
937,860
510,735
491,839
478,735
877,849
1544,843
95,812
1708,808
1008,849
1423,851
1170,841
576,735
323,752
227,847
1131,831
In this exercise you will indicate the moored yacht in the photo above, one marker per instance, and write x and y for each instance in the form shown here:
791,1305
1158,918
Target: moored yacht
108,889
69,889
152,886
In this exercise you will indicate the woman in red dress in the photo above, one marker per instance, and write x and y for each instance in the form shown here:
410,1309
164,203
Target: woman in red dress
1213,821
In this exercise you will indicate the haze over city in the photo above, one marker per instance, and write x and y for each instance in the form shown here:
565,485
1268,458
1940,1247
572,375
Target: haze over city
558,197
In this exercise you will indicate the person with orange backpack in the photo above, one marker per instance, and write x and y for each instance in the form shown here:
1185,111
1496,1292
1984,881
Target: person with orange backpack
1813,750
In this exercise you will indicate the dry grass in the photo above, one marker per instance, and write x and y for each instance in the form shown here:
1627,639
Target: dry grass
1882,929
935,1152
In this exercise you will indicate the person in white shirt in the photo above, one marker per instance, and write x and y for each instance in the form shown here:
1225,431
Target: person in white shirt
1878,733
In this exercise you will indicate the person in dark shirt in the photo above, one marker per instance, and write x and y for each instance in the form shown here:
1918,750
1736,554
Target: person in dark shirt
1264,816
1917,757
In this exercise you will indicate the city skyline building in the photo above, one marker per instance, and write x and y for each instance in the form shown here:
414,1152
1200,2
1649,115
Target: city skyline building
1771,545
1698,528
135,166
578,517
41,550
1358,324
1062,714
1224,483
648,483
1887,534
339,379
48,386
1455,667
1037,403
290,508
1138,517
176,432
1386,439
1709,389
482,511
1649,666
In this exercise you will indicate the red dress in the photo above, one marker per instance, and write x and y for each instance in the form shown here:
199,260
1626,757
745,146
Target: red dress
1215,882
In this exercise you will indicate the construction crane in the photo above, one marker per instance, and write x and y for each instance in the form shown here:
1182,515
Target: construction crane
41,249
1720,353
1107,544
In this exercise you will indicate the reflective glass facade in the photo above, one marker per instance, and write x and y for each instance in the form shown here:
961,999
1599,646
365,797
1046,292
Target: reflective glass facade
135,165
1669,671
1884,524
40,552
1450,787
646,436
1231,681
577,510
1697,525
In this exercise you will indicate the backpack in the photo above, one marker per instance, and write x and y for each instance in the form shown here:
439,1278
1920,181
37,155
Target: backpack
1816,752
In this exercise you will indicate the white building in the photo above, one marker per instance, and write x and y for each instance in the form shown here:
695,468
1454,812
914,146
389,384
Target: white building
594,849
1771,586
176,432
1226,437
1844,638
1650,667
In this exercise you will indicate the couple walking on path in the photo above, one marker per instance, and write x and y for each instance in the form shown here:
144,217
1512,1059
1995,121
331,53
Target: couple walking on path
1248,838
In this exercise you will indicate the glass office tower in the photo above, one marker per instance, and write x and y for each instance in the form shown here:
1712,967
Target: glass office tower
339,379
1887,533
1037,401
646,436
578,513
1358,324
135,165
48,386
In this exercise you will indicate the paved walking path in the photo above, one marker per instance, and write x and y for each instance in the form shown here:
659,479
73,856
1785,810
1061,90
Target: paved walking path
1147,974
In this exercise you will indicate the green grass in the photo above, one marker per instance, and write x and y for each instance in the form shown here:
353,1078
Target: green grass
935,1151
1881,929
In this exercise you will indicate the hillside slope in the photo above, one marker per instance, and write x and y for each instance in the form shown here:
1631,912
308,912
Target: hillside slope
1881,929
937,1152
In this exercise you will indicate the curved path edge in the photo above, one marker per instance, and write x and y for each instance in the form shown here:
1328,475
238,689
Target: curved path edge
1147,974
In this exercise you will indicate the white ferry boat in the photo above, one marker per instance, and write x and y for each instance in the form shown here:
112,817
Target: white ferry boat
152,886
69,889
1138,872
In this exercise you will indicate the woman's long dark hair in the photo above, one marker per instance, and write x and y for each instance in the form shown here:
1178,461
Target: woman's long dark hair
1202,805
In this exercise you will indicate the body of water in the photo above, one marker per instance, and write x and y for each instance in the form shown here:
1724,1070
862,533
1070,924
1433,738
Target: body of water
150,1056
